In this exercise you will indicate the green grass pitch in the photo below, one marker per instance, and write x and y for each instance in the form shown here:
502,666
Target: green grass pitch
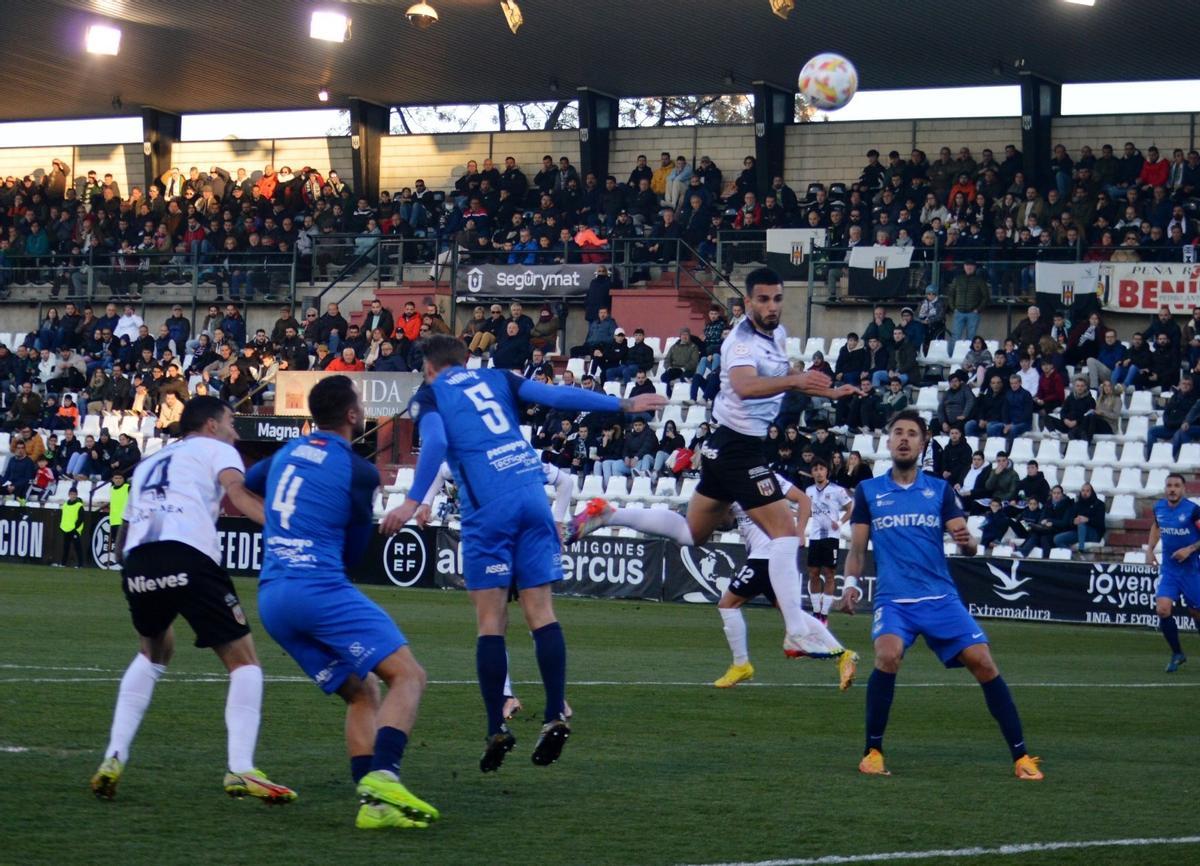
660,769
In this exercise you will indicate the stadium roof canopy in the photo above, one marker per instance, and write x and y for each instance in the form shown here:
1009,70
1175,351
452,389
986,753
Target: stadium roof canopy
196,56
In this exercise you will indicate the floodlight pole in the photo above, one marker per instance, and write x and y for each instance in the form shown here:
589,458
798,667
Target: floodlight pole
369,122
774,112
1041,102
160,131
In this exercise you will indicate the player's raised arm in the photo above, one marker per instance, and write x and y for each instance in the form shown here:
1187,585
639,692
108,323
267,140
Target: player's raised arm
234,484
1152,542
433,455
956,523
749,385
425,510
558,397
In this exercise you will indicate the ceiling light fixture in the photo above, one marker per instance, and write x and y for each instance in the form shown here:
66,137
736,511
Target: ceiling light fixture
512,14
783,8
323,95
103,39
1082,2
329,26
422,15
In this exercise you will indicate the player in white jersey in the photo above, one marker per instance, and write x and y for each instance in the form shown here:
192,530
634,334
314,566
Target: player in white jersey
171,567
734,469
563,483
830,512
753,580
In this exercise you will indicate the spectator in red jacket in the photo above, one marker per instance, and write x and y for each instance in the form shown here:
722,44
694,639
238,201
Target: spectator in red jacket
1051,390
409,324
347,362
1155,171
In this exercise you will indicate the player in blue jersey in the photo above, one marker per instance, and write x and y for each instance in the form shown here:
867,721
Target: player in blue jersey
318,496
904,512
469,418
1177,523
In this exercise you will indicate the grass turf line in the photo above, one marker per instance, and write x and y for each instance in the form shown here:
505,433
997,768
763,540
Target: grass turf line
675,775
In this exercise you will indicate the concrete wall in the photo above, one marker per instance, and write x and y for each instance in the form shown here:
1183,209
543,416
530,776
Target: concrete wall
254,155
1167,131
727,146
830,152
440,159
124,161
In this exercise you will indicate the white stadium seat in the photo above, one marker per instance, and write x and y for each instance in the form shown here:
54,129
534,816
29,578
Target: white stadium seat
617,487
1102,480
1136,429
814,345
655,344
927,399
1105,454
1072,480
686,489
1160,456
1122,508
697,415
793,349
1135,557
593,486
1022,451
992,447
1130,481
673,412
938,353
880,467
1189,456
1061,553
640,490
665,489
1140,403
1156,480
1076,453
1049,453
1133,456
613,389
575,365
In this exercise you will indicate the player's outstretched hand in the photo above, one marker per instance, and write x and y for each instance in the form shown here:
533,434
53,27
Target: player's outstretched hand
810,381
842,391
644,403
398,516
961,535
424,513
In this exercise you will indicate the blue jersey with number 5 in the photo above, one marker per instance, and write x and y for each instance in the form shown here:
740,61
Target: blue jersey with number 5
487,455
317,495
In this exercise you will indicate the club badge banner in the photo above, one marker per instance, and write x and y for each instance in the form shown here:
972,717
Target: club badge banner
788,250
879,271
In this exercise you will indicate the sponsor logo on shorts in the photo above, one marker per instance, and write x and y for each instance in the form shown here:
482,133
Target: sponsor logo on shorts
357,649
323,676
142,583
404,557
497,568
235,608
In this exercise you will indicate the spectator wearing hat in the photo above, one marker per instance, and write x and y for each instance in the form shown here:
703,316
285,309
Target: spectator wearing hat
932,314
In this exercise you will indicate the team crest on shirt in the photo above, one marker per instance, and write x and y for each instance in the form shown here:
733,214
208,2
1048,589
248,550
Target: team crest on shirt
927,493
741,350
766,486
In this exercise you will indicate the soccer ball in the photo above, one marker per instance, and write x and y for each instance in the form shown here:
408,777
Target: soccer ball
828,81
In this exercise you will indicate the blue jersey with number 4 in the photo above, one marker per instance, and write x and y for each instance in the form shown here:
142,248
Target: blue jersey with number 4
488,456
317,495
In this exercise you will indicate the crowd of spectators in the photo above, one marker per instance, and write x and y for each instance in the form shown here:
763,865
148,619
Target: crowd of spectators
240,232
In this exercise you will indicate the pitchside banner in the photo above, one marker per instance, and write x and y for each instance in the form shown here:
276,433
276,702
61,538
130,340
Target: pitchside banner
1144,287
1100,593
521,281
879,271
1069,280
788,250
383,394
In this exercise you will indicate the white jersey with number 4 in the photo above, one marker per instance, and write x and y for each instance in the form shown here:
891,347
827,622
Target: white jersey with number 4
753,537
175,495
747,347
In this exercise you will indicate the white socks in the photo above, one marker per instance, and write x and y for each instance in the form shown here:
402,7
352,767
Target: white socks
735,633
785,580
508,690
137,687
243,710
655,521
826,603
818,599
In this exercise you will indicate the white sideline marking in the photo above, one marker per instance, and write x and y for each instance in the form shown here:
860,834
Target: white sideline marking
969,684
942,853
15,750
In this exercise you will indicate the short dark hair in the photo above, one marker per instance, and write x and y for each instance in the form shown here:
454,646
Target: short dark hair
329,400
762,277
442,350
199,411
1178,475
819,461
910,415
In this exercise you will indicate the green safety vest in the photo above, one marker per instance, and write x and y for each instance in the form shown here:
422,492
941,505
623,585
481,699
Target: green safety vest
71,519
116,505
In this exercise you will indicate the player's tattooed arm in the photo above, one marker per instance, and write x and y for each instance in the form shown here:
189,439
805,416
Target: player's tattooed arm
642,403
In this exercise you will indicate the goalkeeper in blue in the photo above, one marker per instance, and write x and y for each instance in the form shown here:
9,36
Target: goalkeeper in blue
469,419
318,495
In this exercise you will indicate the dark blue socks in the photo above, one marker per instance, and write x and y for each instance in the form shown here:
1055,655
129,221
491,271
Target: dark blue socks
1000,705
881,688
1170,631
551,651
491,667
389,749
360,765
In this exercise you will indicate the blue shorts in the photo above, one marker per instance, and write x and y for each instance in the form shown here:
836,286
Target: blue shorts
512,541
331,629
1174,584
945,623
